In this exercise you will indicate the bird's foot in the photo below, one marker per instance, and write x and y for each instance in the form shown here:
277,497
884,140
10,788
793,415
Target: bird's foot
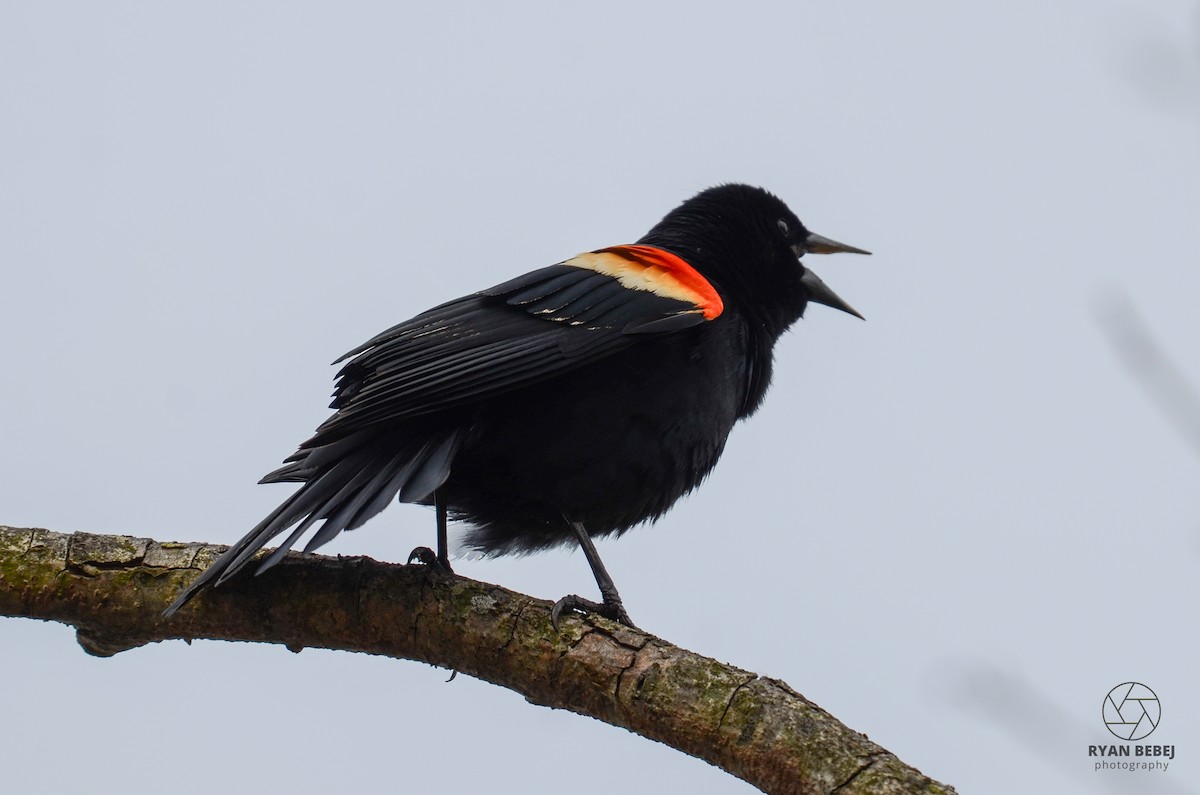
610,608
427,557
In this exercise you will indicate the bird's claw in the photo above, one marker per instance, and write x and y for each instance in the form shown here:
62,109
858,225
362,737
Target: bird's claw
427,557
609,608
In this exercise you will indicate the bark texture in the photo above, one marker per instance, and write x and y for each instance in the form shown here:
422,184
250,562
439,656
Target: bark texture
113,589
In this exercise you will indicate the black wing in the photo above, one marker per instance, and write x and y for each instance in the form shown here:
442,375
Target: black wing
523,331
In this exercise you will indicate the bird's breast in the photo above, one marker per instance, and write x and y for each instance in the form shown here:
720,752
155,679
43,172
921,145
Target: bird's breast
610,445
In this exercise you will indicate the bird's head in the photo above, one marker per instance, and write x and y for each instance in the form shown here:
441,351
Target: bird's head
751,246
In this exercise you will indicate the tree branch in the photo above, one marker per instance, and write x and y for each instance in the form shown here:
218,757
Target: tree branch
113,589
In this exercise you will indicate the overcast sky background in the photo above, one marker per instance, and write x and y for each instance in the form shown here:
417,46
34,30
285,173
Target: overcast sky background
955,526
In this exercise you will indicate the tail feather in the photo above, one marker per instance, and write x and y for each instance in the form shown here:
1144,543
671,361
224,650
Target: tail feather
309,462
433,470
345,492
329,529
352,486
290,472
380,500
307,501
416,479
378,488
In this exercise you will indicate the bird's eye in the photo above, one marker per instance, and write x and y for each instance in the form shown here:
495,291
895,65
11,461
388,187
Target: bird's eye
783,227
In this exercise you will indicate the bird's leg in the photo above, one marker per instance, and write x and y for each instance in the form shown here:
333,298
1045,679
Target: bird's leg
440,559
611,607
443,556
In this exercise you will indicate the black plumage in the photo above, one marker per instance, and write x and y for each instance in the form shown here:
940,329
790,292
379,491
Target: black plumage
572,402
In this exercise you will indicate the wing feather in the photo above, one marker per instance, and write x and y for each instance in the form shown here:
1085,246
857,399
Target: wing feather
536,326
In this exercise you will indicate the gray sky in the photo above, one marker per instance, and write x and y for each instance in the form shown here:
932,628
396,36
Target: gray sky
955,526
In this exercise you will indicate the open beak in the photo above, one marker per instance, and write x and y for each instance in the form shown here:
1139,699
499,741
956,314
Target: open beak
818,291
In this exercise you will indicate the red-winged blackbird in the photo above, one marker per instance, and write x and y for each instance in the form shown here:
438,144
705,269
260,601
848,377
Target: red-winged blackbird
574,401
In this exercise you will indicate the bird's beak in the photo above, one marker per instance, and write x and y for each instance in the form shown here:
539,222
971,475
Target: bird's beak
819,244
819,292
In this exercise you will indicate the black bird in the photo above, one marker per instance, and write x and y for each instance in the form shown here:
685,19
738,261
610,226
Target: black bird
575,401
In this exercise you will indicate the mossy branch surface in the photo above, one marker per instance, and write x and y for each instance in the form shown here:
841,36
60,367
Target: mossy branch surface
113,590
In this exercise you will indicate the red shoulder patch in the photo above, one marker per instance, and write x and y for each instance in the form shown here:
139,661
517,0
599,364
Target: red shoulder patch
654,270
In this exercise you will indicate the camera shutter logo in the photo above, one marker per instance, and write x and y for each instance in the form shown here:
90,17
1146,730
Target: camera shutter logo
1131,711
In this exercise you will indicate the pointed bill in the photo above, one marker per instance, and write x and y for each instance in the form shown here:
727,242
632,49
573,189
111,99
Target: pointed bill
819,244
819,292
